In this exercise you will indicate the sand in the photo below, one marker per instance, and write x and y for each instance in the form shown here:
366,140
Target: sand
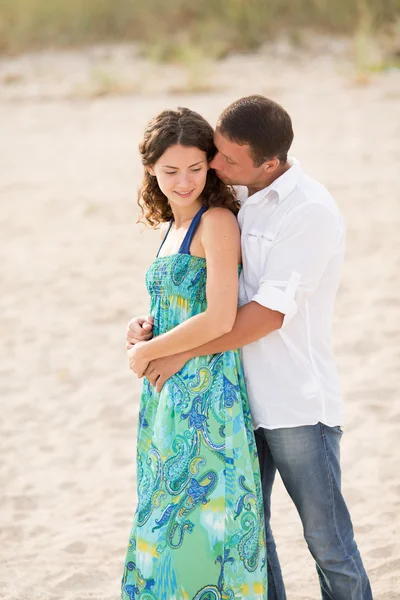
72,274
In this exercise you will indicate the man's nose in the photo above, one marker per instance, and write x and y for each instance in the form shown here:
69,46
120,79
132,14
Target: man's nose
214,162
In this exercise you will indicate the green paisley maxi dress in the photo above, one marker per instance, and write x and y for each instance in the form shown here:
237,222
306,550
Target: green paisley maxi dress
198,531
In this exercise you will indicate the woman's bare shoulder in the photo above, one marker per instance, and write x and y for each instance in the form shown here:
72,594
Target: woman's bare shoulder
219,215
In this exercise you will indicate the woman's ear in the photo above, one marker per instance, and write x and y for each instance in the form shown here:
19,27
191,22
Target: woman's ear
151,171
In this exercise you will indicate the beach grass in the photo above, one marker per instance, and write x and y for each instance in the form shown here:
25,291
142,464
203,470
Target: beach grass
165,28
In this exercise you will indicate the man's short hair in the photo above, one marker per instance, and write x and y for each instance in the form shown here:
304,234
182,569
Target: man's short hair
262,124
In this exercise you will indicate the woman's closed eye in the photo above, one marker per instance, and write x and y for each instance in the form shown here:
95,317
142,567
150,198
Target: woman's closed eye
175,172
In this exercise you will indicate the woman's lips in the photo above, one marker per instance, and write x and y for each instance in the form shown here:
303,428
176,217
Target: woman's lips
184,194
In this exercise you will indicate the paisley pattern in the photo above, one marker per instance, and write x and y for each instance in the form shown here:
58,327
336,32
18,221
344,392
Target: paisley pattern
198,530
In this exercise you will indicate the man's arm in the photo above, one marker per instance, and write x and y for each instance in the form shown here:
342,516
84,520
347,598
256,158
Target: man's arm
253,321
296,264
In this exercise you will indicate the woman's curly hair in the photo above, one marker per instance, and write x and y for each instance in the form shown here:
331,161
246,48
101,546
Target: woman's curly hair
187,128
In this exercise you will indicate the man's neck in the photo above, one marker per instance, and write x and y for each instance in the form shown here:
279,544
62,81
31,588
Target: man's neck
269,178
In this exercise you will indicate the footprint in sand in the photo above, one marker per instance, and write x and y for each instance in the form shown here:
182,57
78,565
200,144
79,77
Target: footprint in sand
384,552
76,548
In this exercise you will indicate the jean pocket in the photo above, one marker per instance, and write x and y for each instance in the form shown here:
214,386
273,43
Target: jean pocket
338,429
335,429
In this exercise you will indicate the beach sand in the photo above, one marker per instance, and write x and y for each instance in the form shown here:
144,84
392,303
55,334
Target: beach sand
72,274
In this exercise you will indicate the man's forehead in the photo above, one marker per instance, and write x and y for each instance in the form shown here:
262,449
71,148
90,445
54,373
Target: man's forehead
227,147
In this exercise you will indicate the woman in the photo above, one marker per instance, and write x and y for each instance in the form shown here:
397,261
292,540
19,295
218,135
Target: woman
198,531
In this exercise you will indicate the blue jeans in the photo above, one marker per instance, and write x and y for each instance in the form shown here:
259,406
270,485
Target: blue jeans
308,461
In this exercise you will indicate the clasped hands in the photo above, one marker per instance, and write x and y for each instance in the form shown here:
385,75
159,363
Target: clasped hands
158,371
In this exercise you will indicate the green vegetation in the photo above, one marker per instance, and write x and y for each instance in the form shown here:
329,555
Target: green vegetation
166,27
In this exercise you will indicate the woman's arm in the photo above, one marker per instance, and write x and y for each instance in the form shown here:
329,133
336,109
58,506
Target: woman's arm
221,243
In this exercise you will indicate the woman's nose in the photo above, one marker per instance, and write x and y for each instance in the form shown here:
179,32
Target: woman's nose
184,180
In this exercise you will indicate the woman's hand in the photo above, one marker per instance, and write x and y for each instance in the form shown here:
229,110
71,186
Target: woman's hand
138,362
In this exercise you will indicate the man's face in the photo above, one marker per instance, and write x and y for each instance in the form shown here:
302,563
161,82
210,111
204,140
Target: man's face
233,163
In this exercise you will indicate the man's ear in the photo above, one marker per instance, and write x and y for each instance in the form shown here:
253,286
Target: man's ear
271,165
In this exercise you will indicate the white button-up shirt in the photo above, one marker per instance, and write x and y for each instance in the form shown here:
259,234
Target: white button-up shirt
292,250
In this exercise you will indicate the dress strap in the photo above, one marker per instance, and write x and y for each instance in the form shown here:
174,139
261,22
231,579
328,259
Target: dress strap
165,236
185,246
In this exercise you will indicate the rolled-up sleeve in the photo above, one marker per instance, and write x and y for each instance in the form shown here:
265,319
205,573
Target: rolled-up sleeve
309,238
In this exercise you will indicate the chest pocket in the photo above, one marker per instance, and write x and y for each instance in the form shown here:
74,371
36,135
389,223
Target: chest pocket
263,238
256,247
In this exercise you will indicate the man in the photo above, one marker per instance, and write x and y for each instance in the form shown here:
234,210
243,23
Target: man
292,247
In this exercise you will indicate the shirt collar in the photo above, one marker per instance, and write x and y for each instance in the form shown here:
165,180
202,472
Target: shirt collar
281,187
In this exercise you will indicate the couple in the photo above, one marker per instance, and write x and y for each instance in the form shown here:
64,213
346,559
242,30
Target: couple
202,525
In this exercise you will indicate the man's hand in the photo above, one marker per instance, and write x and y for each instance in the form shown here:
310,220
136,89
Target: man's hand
140,329
161,369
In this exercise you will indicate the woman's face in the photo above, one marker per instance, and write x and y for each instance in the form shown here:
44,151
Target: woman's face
181,174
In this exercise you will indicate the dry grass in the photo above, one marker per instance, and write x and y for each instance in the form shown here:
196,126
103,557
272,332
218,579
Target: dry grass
215,26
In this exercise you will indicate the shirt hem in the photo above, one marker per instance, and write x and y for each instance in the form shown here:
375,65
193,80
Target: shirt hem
289,426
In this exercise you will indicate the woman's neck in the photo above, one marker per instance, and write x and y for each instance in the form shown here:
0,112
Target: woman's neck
184,213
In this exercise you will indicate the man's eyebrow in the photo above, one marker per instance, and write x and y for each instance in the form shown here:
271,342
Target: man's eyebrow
190,166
